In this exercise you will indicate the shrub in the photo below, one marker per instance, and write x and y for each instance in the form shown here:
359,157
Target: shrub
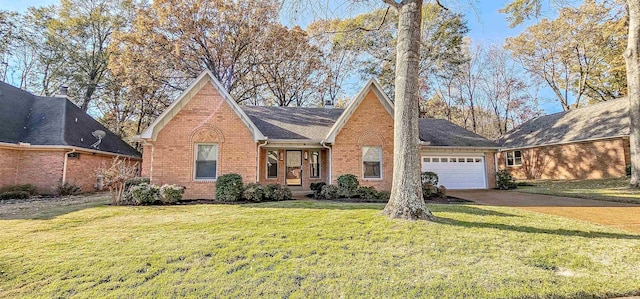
67,189
171,193
254,192
276,192
383,196
31,189
229,187
429,190
317,188
115,177
505,180
144,194
347,185
135,181
369,193
628,170
442,192
14,195
429,177
329,192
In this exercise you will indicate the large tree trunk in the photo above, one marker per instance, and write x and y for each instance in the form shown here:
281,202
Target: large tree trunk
406,193
633,84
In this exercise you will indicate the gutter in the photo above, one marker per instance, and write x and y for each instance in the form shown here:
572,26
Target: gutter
502,149
258,159
330,159
27,146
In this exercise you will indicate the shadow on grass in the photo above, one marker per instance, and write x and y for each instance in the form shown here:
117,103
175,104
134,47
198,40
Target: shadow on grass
467,209
49,211
536,230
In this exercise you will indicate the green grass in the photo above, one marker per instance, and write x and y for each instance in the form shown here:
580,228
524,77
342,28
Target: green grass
313,249
604,189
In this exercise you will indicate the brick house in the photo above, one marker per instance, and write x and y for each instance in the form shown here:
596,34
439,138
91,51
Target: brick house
585,143
48,140
204,134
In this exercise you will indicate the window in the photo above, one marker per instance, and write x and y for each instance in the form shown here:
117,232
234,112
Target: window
514,158
272,164
315,164
206,161
372,162
73,155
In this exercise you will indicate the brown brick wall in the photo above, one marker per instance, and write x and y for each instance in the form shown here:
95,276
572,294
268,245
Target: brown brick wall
8,166
370,125
207,118
82,171
582,160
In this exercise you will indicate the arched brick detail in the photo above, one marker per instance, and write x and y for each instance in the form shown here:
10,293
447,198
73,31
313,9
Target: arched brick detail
371,138
206,134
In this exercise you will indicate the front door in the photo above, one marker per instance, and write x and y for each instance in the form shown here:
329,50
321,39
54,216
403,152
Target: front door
294,168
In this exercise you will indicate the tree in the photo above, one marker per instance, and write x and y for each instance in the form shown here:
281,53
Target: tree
406,192
520,10
578,53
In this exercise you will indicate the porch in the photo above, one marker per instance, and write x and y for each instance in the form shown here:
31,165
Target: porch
295,166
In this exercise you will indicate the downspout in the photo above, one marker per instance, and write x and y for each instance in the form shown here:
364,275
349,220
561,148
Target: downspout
258,159
64,166
330,159
495,172
153,146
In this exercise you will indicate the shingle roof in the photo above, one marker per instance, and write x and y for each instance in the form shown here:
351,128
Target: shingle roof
52,121
293,122
441,132
598,121
315,123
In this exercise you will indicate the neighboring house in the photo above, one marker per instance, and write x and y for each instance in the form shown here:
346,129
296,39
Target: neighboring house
586,143
205,134
48,140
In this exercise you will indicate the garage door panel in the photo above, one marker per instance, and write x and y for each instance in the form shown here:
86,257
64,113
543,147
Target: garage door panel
457,172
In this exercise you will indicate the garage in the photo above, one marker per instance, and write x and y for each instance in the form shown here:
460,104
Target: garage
457,172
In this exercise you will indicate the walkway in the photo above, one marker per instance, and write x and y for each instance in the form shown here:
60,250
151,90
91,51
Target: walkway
620,215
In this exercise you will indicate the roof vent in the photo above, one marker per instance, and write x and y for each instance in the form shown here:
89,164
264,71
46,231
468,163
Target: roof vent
328,104
62,92
99,134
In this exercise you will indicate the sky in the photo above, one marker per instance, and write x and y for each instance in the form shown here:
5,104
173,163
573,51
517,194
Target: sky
487,25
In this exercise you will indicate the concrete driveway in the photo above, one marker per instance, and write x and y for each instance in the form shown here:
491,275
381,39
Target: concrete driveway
620,215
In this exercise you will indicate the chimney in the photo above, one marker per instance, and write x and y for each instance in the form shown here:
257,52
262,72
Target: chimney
62,92
328,104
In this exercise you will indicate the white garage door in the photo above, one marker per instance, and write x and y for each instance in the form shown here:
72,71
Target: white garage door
457,172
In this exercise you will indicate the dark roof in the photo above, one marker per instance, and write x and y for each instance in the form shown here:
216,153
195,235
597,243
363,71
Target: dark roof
441,132
598,121
52,121
293,122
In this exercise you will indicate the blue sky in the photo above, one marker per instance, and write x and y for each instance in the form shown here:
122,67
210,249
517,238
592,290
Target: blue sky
486,23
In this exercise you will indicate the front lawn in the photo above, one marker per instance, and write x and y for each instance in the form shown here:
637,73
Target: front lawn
604,189
313,249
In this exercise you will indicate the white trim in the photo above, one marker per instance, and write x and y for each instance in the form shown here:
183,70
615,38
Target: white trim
362,163
195,161
29,147
506,158
372,85
206,76
502,149
425,145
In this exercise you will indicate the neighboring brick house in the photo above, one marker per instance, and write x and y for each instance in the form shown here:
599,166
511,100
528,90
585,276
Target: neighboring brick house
585,143
205,134
48,140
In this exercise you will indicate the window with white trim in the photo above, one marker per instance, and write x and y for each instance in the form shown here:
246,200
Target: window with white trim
206,162
514,158
314,162
272,164
372,162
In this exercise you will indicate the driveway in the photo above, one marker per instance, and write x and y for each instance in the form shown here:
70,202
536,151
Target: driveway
620,215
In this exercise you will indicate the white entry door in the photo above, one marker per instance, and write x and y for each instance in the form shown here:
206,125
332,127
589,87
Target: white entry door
457,172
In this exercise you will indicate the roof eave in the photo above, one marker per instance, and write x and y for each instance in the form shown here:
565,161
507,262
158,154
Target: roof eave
507,148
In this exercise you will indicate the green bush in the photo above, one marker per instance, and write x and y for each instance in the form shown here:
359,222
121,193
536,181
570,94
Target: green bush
329,192
348,185
254,192
143,194
429,177
505,180
31,189
229,187
67,189
276,192
317,188
171,193
14,195
429,190
628,169
136,181
368,193
383,196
